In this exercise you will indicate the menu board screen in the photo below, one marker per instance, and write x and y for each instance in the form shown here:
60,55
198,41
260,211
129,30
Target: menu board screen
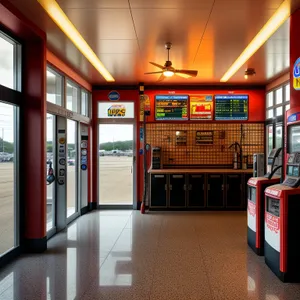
231,107
201,107
171,107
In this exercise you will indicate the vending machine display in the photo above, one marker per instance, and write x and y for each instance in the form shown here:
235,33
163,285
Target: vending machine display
256,207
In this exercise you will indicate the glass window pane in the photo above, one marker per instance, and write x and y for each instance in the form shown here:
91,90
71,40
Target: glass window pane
54,87
50,140
287,93
7,70
270,99
270,113
7,178
84,103
269,138
279,111
279,96
278,137
287,107
71,168
72,97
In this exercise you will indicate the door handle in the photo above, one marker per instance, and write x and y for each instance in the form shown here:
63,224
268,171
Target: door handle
166,187
170,187
184,187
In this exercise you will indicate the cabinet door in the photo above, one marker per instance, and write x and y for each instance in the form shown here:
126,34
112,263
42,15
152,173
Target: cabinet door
196,195
215,193
158,190
177,190
234,197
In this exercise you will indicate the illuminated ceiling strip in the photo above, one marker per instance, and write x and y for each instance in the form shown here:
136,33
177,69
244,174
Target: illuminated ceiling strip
279,17
63,22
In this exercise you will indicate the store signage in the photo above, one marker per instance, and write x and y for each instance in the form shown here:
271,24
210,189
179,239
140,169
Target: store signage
296,75
251,211
201,107
108,110
116,110
171,107
113,96
294,117
272,231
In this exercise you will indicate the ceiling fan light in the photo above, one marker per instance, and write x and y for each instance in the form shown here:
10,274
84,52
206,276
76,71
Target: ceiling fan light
168,73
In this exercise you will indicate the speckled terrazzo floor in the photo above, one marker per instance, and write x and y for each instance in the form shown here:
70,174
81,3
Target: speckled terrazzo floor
125,255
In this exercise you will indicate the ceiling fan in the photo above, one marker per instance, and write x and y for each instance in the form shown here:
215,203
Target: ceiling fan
168,71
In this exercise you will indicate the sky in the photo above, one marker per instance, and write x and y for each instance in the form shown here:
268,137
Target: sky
6,79
113,133
6,63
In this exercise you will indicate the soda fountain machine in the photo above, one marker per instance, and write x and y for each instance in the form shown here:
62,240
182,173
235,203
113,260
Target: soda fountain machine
256,197
282,211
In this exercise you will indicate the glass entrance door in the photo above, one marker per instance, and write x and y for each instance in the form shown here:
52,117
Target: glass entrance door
116,164
51,158
8,178
72,168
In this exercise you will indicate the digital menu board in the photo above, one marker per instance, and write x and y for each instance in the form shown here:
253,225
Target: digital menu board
171,107
201,107
231,107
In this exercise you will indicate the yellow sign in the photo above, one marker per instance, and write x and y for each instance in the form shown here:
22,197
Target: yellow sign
296,75
62,140
116,110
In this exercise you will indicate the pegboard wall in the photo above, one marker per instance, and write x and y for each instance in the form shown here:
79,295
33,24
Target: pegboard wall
205,144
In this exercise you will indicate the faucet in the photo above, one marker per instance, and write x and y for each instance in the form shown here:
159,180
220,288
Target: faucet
236,145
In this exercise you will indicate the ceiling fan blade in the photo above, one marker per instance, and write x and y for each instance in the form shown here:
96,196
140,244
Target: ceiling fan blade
161,78
183,75
156,65
190,73
159,72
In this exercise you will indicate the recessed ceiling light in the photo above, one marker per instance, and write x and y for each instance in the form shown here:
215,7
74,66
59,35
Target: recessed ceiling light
62,21
279,17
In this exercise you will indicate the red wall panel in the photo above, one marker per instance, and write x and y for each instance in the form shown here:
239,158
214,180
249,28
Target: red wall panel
257,106
256,114
294,54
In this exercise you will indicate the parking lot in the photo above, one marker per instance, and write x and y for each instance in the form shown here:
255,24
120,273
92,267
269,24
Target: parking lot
115,181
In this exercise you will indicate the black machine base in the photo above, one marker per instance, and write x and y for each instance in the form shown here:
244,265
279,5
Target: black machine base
272,259
252,242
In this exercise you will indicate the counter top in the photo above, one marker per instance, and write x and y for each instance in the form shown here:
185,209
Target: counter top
214,171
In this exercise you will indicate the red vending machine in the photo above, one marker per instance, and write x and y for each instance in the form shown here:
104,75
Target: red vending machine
282,211
256,203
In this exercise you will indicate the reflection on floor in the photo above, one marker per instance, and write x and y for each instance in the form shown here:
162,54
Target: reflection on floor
125,255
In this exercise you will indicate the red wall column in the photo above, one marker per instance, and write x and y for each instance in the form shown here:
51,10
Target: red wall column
294,55
33,150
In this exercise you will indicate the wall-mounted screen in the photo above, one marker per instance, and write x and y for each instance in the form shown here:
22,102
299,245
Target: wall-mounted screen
201,107
289,170
171,107
296,172
231,107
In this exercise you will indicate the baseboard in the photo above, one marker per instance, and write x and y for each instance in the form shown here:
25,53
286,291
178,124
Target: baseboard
84,210
35,245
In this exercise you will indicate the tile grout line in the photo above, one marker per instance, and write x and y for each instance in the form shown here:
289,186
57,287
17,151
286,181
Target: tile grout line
205,266
156,251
